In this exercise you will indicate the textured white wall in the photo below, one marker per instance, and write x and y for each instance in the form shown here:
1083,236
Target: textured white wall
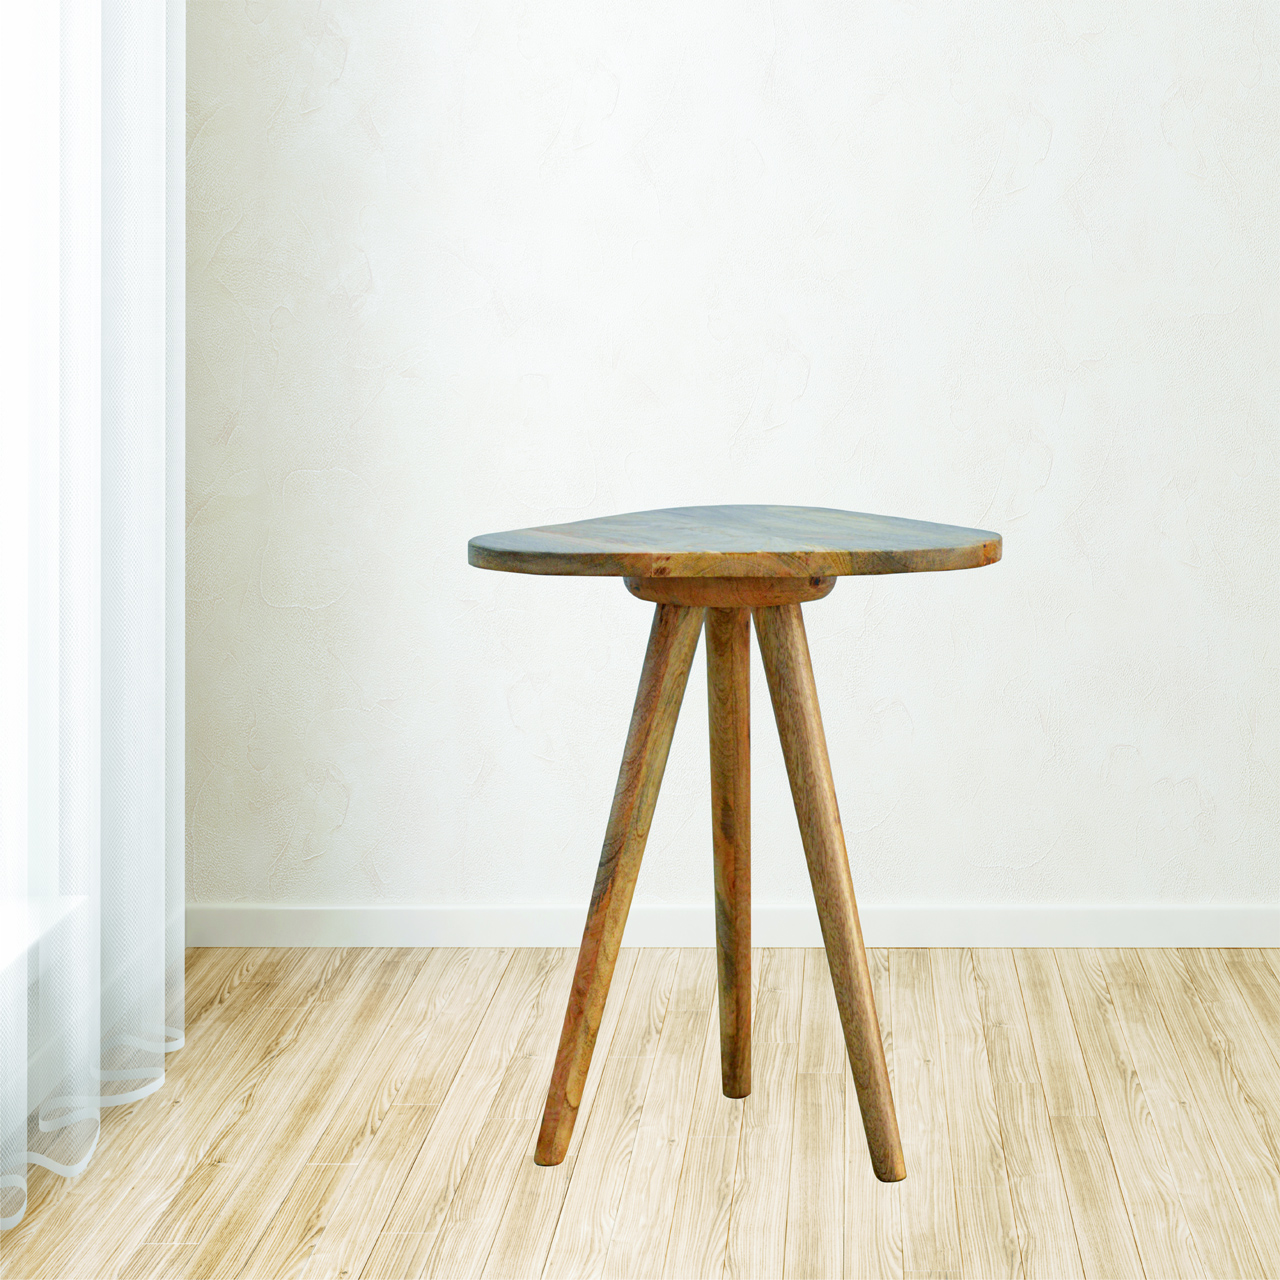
459,267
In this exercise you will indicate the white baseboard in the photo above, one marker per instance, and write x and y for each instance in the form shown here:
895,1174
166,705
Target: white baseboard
262,924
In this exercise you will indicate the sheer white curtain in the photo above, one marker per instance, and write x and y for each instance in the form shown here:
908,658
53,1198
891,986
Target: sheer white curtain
91,553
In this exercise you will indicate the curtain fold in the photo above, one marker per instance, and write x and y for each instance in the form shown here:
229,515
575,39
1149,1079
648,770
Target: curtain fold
91,878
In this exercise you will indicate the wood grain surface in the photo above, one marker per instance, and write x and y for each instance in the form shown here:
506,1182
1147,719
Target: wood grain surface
930,1230
1219,1053
700,1216
1184,1116
592,1204
735,542
785,651
815,1244
1088,1169
757,1239
1174,1172
728,634
537,1195
730,593
1147,1184
638,1245
984,1209
672,641
872,1210
1041,1211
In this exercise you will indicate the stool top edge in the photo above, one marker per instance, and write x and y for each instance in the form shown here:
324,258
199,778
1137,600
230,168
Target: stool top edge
736,541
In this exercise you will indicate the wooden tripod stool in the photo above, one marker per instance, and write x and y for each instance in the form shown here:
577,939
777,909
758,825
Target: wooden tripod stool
722,563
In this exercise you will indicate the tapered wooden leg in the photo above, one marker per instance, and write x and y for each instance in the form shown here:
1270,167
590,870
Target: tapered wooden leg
672,642
729,713
795,704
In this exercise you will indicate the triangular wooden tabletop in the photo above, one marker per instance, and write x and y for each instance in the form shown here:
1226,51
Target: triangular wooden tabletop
736,542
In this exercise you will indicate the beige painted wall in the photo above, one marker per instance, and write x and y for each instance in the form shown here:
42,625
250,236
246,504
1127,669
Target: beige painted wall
460,267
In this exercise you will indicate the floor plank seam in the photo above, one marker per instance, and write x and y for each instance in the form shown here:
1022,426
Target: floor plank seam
1062,1177
1158,1137
1193,1099
1273,1047
1115,1171
1170,1060
352,1079
733,1195
428,1133
580,1136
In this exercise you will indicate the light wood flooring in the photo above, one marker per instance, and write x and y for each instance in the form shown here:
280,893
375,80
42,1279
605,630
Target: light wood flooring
372,1113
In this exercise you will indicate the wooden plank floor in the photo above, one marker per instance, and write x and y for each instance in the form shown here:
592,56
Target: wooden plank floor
372,1113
